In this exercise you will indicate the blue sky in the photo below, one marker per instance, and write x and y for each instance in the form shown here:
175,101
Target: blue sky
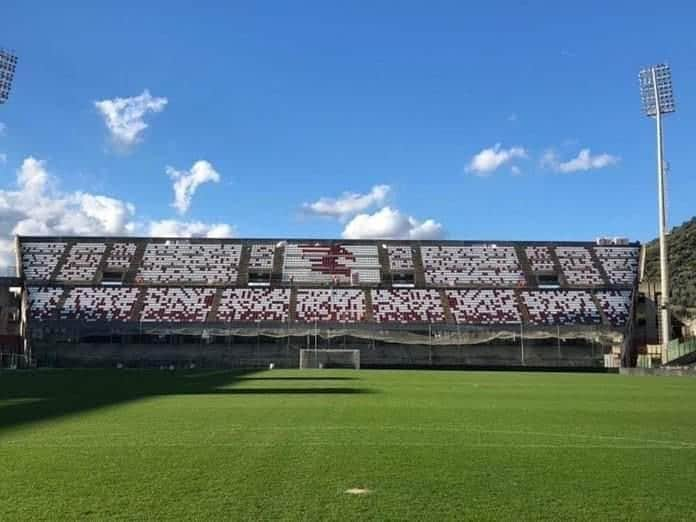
288,103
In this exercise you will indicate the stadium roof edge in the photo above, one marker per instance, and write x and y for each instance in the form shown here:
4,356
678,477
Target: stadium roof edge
453,242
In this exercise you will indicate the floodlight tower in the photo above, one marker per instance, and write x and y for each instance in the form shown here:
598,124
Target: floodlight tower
657,98
8,64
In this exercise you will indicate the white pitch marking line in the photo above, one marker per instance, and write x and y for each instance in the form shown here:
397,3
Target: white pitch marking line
358,491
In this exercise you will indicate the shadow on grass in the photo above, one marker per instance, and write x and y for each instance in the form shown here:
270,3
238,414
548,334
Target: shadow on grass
297,378
35,396
290,391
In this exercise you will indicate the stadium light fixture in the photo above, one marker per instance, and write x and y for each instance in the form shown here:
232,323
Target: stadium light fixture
658,99
8,64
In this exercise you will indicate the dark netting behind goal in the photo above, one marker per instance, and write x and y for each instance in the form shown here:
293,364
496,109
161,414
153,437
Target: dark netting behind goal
330,359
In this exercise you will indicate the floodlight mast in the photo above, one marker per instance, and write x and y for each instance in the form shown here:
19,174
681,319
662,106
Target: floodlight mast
657,97
8,64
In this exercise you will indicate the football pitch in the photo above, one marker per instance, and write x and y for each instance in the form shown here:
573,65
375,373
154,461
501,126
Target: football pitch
345,445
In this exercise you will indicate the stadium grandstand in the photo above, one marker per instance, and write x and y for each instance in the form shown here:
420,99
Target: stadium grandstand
88,301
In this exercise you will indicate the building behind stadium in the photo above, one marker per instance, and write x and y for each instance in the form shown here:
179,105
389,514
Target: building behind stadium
88,301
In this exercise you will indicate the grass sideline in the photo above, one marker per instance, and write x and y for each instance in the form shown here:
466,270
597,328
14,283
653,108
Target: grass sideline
212,445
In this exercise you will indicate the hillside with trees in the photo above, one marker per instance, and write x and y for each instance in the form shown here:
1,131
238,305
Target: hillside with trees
682,263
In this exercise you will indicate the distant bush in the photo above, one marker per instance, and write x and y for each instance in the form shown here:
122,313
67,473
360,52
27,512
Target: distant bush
682,263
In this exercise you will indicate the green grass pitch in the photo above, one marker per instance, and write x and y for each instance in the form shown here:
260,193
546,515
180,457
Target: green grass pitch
214,445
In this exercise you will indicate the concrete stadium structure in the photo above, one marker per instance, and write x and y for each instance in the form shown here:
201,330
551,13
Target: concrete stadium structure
102,301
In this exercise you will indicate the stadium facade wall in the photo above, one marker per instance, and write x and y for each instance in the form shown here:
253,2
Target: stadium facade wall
286,355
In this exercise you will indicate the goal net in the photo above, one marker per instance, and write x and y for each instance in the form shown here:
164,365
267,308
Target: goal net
330,359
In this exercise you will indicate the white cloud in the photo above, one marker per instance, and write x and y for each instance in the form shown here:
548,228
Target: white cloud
7,255
112,215
384,223
32,177
125,117
187,182
35,207
549,159
349,203
3,156
586,161
582,162
489,160
388,223
515,170
175,228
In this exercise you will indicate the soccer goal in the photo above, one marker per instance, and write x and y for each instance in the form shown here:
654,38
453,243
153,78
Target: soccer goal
330,359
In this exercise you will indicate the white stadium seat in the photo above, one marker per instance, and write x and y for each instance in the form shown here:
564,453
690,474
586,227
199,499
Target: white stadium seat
489,265
495,306
561,307
198,263
407,306
331,264
254,304
197,281
341,305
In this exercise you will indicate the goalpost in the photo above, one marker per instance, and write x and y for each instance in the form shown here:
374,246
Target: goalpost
330,359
